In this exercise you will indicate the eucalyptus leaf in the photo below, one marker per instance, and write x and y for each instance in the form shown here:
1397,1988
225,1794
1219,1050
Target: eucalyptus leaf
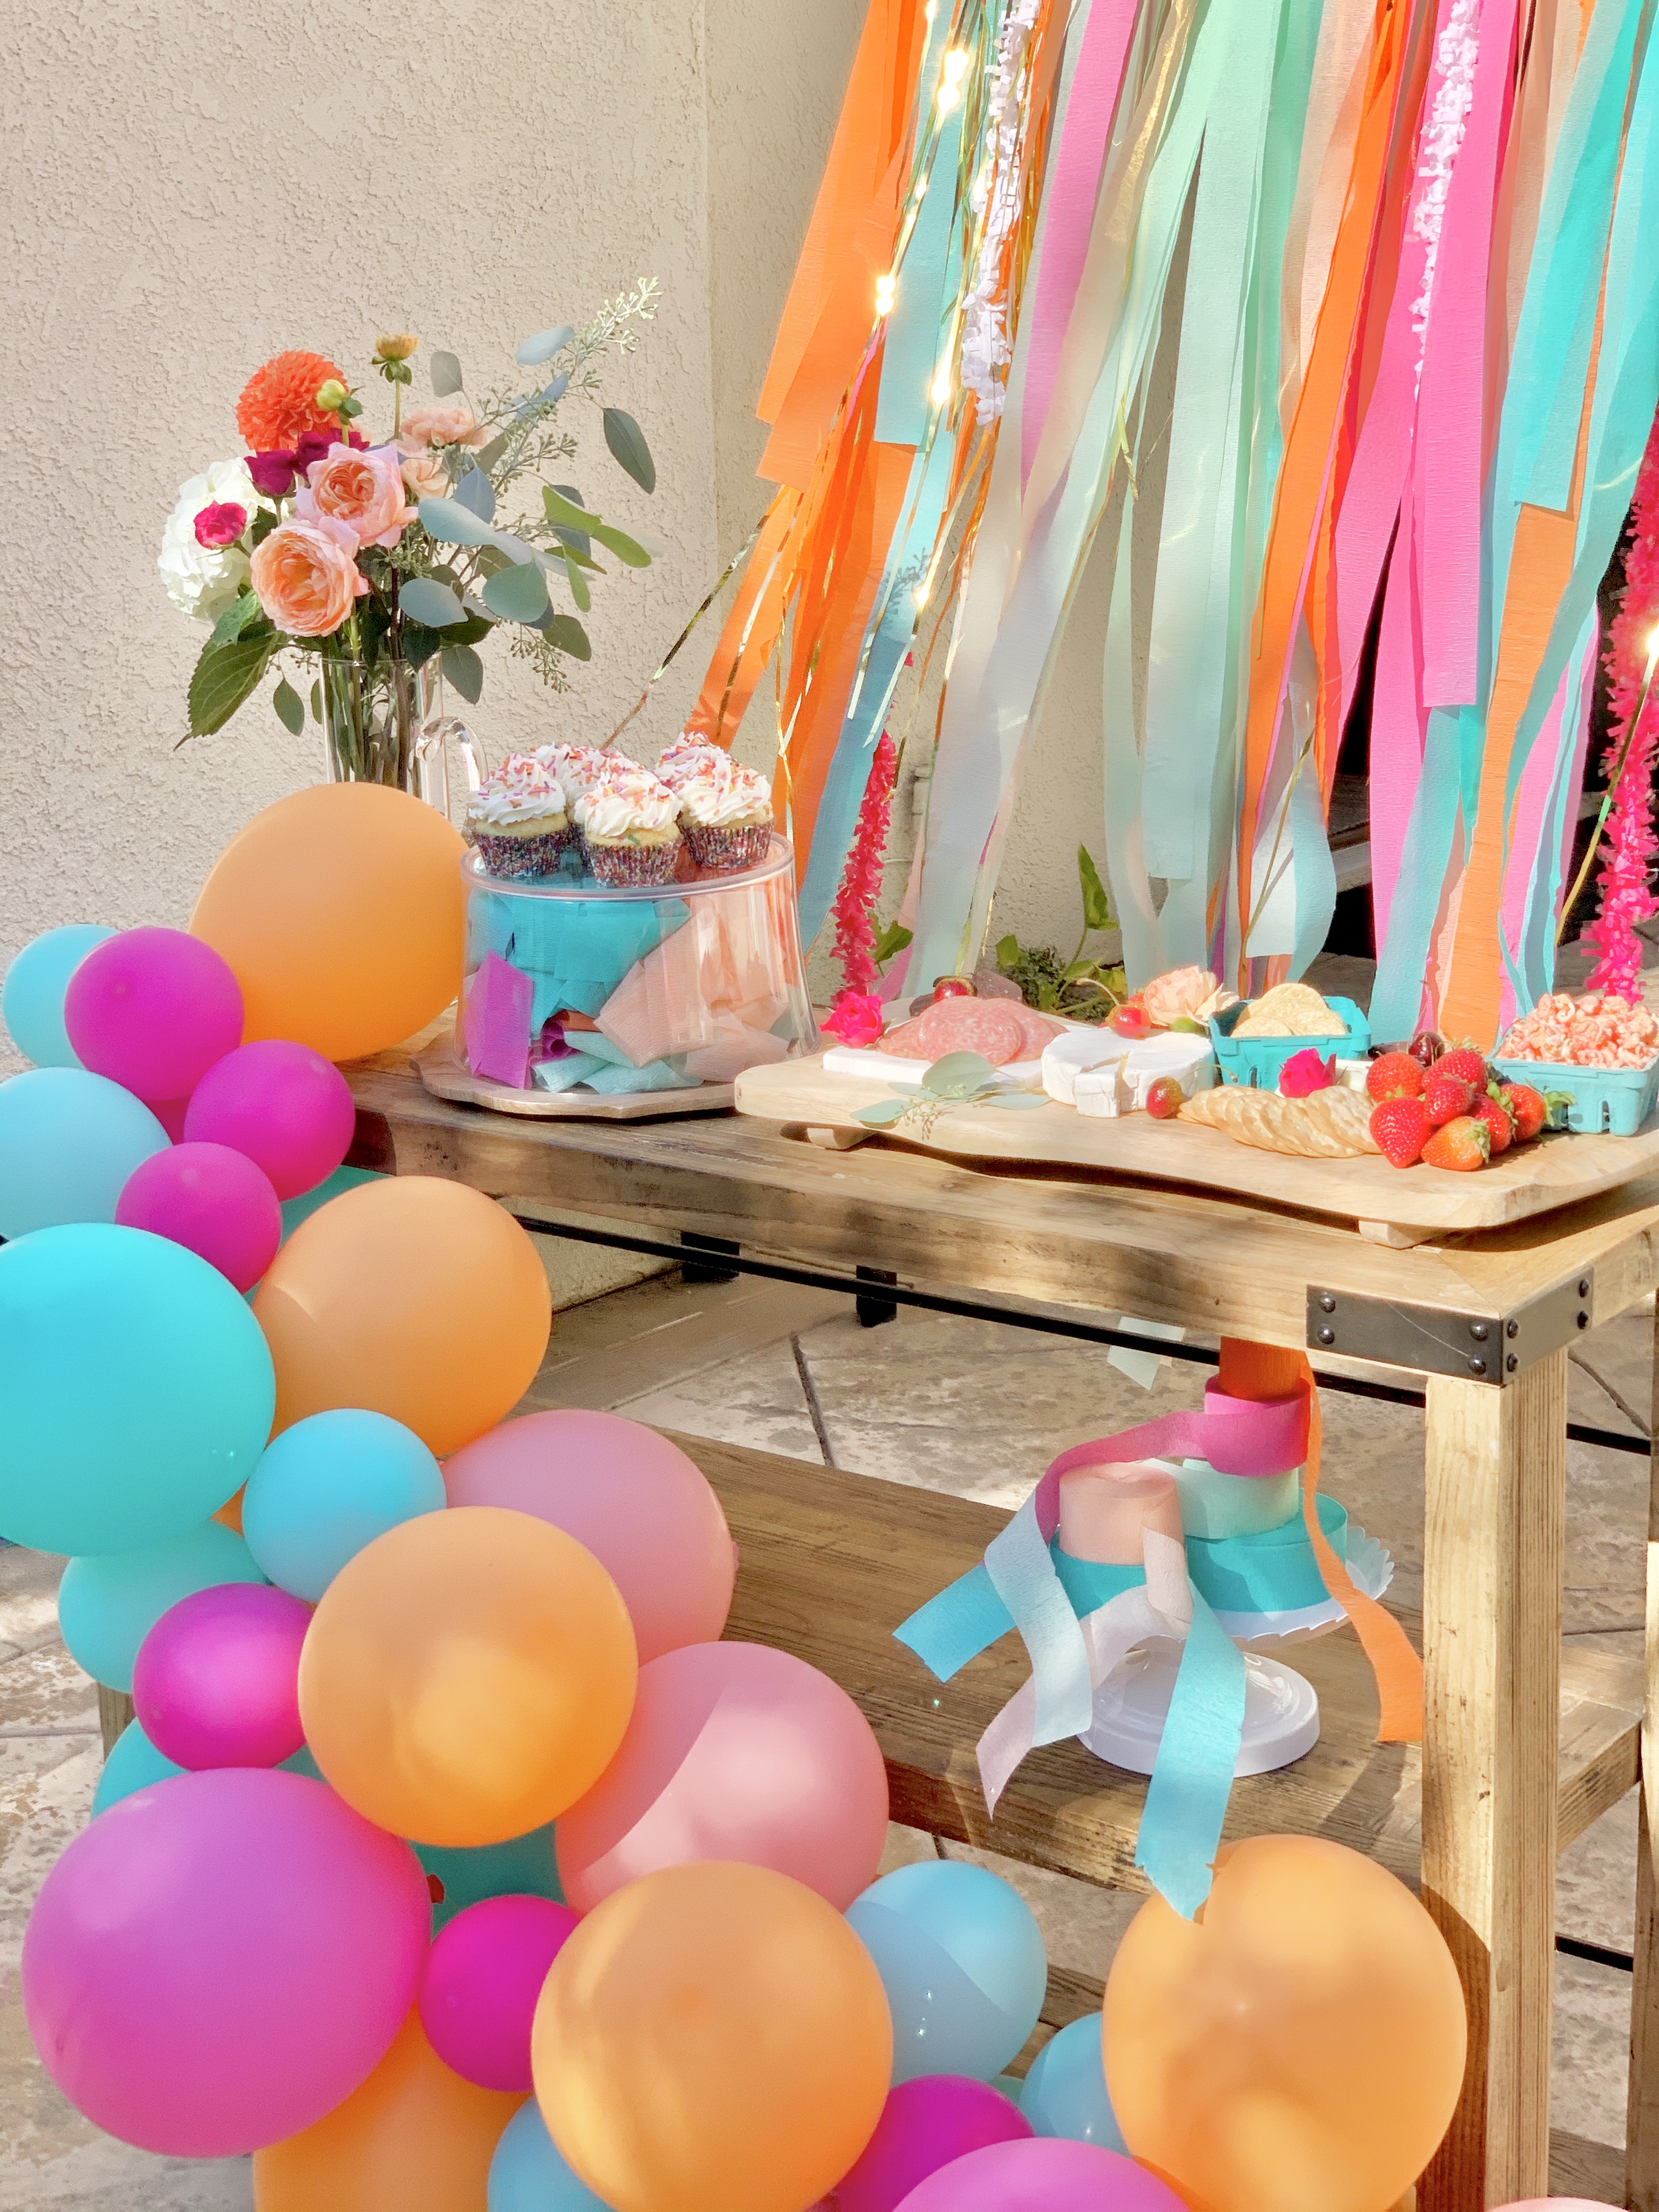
489,454
1016,1098
463,668
550,394
452,523
316,702
447,378
290,708
957,1070
1097,907
425,600
628,449
628,550
883,1114
565,632
570,492
543,346
562,514
476,491
517,594
222,680
579,545
579,590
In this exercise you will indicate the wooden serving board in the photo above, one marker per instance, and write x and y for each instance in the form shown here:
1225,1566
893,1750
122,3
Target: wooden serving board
445,1075
1393,1205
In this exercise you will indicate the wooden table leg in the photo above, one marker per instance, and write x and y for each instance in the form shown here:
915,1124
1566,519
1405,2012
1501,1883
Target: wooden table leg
1494,1510
1642,2114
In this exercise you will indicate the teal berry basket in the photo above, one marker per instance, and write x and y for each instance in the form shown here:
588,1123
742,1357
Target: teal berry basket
1255,1062
1610,1101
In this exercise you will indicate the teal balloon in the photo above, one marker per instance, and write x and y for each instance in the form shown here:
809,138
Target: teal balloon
32,1001
136,1390
527,2174
107,1605
961,1958
68,1142
525,1867
1066,2089
327,1486
297,1210
134,1763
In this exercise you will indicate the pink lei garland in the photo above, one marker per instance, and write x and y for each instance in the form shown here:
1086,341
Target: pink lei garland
1625,881
854,908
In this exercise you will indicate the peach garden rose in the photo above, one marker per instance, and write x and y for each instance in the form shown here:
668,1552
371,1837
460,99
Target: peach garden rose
307,579
364,492
424,475
441,426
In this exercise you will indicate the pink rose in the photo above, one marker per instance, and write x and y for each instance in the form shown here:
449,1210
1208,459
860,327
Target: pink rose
1193,993
855,1019
363,491
306,577
221,524
441,426
1305,1072
424,475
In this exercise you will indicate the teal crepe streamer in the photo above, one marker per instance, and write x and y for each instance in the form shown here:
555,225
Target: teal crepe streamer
575,951
1535,973
1187,1798
1022,1572
1403,957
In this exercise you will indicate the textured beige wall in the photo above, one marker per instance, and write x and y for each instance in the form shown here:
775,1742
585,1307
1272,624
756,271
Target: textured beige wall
227,182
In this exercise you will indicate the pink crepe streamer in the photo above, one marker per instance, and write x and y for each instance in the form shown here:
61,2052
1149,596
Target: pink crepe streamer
1073,187
496,1022
1526,832
1626,880
854,907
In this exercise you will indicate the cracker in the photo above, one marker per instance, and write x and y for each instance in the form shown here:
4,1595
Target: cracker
1328,1125
1289,1010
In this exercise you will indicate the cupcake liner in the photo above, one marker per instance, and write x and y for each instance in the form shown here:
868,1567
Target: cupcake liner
728,851
633,867
523,856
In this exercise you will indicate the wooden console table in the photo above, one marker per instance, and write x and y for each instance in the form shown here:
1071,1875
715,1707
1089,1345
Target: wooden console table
1523,1747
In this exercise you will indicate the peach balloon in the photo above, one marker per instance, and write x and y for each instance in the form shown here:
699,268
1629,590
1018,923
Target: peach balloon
712,2038
414,2138
411,1296
467,1676
339,910
1301,2043
734,1752
642,1508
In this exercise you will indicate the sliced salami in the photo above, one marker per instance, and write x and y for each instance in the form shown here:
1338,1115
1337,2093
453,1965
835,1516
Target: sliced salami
904,1042
980,1025
1037,1031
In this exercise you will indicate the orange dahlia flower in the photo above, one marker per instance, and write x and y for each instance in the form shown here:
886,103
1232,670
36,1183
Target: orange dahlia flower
279,403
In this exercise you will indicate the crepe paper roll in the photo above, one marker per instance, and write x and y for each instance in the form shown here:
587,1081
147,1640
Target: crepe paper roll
1106,1511
1214,1505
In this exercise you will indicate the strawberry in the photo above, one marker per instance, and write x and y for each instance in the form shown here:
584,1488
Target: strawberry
1464,1144
1394,1075
1528,1108
1445,1097
1496,1115
1466,1064
1399,1127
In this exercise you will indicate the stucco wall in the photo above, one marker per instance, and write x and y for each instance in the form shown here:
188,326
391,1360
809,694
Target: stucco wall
189,189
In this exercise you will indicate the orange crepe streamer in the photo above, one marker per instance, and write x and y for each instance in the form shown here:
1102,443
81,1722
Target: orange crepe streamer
1310,445
1261,1370
750,632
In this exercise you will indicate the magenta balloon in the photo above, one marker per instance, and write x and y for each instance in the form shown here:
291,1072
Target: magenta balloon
483,1975
153,1009
289,1109
213,1201
925,2124
1046,2174
217,1681
734,1751
220,1958
639,1504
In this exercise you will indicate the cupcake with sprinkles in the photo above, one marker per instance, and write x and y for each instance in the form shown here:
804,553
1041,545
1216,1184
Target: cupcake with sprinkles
682,759
630,822
518,821
579,768
725,813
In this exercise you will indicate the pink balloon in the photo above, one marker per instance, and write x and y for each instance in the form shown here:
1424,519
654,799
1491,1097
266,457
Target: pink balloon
483,1975
289,1109
925,2124
639,1504
153,1009
217,1681
170,1113
220,1958
734,1751
213,1201
1046,2174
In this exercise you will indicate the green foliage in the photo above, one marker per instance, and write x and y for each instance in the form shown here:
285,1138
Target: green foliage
566,634
290,708
447,378
1081,990
224,677
517,594
242,612
543,346
463,668
425,600
1097,907
892,940
628,449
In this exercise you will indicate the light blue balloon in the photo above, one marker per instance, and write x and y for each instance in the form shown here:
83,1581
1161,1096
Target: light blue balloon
527,2174
1066,2089
68,1142
327,1486
961,1957
133,1764
297,1210
136,1390
107,1605
32,1002
525,1867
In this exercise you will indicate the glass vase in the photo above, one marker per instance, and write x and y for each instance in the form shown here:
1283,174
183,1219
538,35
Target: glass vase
386,722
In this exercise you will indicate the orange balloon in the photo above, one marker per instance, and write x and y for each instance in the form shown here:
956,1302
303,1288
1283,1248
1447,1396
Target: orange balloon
231,1512
410,1297
1299,2048
414,2138
712,2038
340,911
467,1676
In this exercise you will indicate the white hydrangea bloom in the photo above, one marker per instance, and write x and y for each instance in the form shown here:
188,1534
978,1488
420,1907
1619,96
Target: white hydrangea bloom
203,580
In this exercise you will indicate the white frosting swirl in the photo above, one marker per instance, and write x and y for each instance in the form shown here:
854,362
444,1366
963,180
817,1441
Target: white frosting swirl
523,789
579,768
627,804
684,758
724,795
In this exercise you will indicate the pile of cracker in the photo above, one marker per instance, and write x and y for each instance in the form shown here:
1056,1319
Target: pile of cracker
1289,1010
1327,1124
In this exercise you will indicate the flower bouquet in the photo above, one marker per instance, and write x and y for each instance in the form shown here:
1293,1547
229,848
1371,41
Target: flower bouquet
364,572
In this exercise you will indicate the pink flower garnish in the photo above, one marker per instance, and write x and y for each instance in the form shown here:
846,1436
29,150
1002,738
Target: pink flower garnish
855,1019
1305,1072
221,524
363,491
854,907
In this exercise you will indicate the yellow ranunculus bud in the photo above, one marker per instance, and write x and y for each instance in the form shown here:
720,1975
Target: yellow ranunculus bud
397,346
331,395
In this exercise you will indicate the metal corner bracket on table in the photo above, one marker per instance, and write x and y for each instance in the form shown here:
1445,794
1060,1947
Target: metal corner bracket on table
1474,1347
